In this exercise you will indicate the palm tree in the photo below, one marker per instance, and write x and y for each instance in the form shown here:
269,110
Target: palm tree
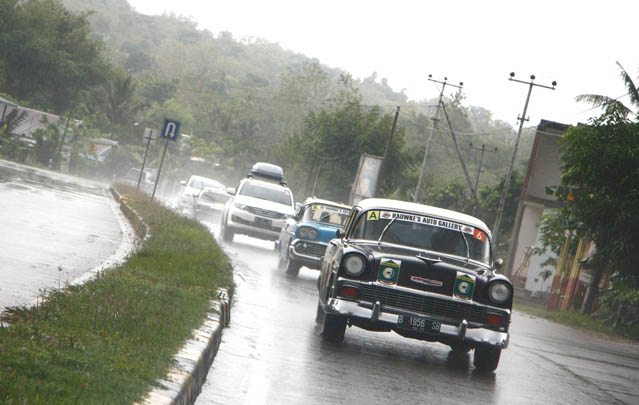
605,101
121,104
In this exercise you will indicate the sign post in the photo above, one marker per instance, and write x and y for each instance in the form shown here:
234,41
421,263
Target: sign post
149,136
170,130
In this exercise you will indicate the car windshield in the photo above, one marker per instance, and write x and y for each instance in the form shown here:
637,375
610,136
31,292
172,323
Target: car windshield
278,195
200,183
328,214
424,232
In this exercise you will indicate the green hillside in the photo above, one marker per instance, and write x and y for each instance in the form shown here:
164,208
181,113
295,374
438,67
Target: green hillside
239,101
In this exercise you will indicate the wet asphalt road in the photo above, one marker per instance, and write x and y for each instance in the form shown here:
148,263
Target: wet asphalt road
53,229
272,354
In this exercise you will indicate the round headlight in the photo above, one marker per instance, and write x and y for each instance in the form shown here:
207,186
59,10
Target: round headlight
307,233
354,265
499,292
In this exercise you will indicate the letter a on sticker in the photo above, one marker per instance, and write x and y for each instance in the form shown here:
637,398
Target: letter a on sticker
372,215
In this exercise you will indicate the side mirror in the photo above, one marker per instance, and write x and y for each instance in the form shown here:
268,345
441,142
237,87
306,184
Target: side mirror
340,233
183,182
230,191
499,263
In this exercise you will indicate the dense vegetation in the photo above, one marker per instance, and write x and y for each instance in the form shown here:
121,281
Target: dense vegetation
600,192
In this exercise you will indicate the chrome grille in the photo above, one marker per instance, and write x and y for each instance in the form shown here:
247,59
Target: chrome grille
265,213
310,248
422,304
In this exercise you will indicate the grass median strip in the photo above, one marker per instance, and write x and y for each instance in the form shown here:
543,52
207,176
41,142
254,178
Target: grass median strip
107,341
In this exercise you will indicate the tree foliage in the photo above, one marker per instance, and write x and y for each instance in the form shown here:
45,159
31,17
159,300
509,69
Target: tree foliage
600,168
47,54
333,141
604,101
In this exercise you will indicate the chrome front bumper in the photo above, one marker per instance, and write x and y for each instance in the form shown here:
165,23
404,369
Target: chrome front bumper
376,313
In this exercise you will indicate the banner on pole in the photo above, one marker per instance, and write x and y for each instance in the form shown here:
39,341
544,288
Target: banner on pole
366,179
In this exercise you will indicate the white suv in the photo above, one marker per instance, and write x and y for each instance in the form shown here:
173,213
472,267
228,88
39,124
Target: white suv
258,208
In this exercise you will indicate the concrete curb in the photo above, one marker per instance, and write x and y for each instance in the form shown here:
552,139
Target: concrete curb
192,363
185,380
136,221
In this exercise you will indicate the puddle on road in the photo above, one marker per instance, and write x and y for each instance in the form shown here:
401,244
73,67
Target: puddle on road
17,186
24,178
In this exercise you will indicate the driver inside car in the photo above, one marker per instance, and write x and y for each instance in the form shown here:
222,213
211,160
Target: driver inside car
448,241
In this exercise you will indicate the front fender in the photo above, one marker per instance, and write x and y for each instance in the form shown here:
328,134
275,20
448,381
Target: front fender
330,268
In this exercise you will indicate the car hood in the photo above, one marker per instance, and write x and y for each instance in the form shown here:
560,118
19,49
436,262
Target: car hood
264,204
326,231
424,270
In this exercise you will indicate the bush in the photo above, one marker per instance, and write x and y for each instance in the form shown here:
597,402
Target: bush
619,308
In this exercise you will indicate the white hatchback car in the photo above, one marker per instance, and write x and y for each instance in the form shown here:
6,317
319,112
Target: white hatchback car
191,189
257,208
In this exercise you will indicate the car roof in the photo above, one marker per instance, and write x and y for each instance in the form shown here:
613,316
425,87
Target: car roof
382,203
313,200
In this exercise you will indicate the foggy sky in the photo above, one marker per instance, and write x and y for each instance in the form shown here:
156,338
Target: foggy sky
573,42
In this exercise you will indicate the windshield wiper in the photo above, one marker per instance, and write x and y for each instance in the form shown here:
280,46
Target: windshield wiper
379,241
467,247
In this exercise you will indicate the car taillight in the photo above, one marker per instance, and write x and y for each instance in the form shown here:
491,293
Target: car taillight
348,291
495,319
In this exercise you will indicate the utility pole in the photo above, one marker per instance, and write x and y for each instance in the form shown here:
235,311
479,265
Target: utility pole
317,173
502,200
481,161
432,130
58,155
389,144
461,160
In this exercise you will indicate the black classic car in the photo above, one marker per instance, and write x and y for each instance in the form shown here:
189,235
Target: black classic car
424,272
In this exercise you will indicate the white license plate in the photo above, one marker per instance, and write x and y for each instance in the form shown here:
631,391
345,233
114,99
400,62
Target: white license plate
419,324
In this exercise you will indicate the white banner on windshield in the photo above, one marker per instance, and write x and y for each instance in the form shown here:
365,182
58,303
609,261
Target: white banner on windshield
419,219
330,208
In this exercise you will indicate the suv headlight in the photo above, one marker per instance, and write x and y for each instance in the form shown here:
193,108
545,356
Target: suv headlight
354,264
307,232
499,292
240,206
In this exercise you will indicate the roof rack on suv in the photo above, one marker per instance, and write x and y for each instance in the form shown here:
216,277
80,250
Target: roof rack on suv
267,171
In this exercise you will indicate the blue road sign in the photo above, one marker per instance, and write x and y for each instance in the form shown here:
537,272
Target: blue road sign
171,129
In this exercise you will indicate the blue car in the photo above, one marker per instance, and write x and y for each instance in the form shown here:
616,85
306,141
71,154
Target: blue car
304,238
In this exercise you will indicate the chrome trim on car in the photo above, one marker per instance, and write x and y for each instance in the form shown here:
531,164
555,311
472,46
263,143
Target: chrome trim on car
294,243
463,330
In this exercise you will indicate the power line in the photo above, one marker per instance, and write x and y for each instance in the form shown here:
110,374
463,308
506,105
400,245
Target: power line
481,161
430,137
502,200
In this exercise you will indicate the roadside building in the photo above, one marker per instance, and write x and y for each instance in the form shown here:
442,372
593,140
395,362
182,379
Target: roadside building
525,267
